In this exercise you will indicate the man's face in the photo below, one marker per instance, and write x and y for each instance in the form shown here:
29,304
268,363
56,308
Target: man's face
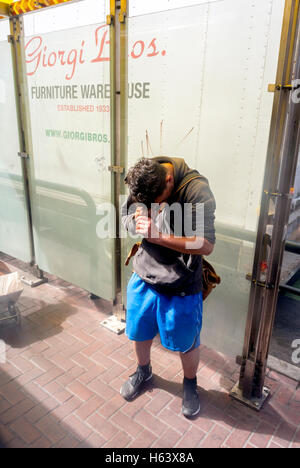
167,191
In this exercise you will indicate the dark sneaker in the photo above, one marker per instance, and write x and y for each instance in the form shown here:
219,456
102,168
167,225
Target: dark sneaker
190,403
132,387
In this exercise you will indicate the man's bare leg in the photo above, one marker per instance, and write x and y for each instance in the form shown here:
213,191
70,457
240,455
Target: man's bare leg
142,351
190,363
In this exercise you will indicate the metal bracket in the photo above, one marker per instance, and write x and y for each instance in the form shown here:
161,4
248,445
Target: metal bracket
35,277
254,403
109,20
276,194
116,169
23,155
272,88
114,324
262,284
123,13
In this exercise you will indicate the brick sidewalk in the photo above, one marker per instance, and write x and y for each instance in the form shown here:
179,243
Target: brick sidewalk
60,385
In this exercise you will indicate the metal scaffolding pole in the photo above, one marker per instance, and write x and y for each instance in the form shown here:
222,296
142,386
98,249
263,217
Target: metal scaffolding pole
118,80
16,40
275,207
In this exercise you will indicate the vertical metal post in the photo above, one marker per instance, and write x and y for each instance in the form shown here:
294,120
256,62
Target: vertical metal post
16,28
16,40
279,177
118,77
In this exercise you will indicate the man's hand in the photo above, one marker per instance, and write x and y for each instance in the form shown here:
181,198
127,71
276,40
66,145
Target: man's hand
145,227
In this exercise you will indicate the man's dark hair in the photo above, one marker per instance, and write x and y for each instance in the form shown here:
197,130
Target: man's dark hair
146,181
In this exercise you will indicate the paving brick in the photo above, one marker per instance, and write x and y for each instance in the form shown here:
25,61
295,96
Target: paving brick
105,428
5,434
112,406
79,429
47,377
168,439
35,392
157,426
120,440
51,429
159,402
41,443
16,411
4,405
284,435
102,389
215,438
92,373
191,439
262,436
94,441
122,421
12,394
26,431
145,439
39,411
42,363
66,408
67,442
22,364
89,407
80,390
60,361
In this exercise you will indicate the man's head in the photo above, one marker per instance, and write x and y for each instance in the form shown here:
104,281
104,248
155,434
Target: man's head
150,182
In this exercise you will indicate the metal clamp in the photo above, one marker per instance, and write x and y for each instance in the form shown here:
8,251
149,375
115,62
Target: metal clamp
272,88
117,169
262,284
23,155
278,194
123,13
109,20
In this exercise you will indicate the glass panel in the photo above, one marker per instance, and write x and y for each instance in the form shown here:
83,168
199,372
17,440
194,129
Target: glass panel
69,97
204,73
285,342
14,229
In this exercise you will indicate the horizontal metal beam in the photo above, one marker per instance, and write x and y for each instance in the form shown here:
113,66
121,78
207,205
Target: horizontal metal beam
4,9
293,247
27,6
289,289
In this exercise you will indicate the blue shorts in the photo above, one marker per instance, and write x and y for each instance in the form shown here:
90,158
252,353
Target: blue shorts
178,319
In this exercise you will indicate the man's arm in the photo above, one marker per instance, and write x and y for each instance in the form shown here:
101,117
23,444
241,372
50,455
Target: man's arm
187,245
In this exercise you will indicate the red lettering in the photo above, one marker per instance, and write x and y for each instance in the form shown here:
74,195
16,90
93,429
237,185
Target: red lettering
81,53
103,41
52,63
142,45
72,58
35,54
61,53
153,45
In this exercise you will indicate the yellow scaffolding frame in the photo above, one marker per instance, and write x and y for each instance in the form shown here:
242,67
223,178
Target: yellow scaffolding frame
10,8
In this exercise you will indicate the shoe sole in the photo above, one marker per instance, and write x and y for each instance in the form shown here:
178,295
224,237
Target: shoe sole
192,415
138,391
